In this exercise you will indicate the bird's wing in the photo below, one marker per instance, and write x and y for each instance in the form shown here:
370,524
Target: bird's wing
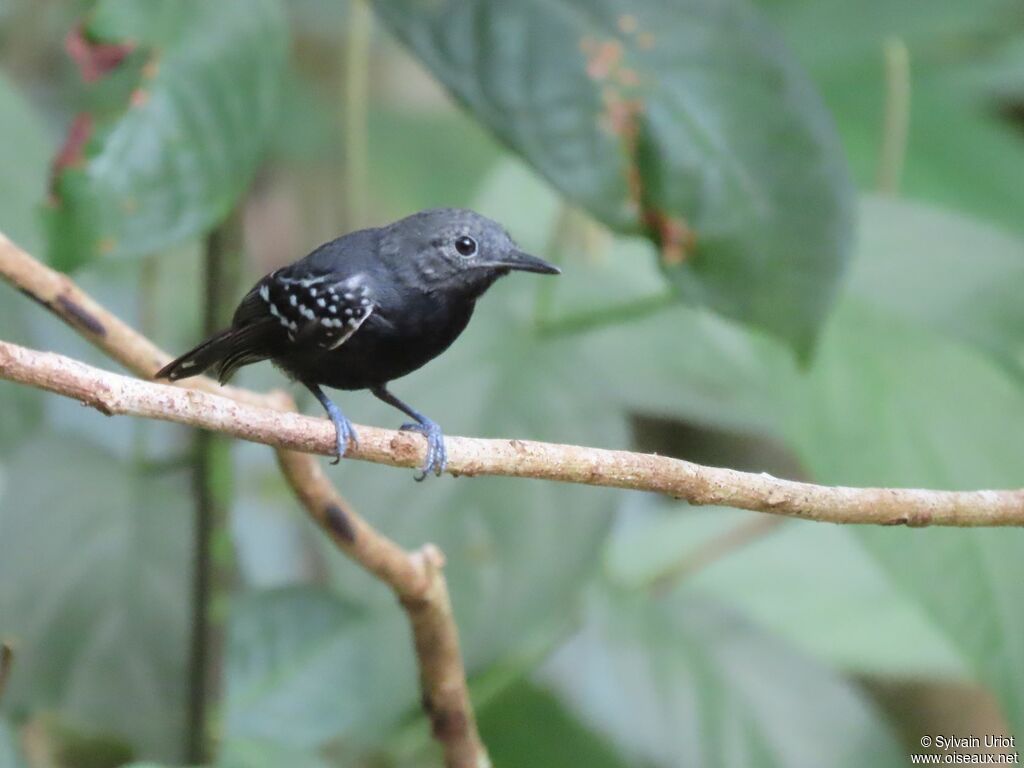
321,309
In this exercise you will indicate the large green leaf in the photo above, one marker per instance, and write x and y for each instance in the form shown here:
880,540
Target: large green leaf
688,122
681,682
304,666
887,405
93,590
195,129
942,270
799,568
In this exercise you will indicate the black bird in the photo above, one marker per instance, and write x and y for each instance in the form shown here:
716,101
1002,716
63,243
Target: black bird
365,309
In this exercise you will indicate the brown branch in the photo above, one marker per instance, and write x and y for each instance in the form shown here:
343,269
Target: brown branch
697,484
415,577
55,291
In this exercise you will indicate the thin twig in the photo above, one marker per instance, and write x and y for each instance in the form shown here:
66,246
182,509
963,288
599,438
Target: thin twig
115,394
407,573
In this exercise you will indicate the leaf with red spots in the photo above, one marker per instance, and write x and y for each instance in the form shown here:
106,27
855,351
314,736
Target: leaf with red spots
188,136
688,122
94,59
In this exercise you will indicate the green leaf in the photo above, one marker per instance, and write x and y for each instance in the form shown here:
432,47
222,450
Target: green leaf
304,666
191,137
682,682
556,736
724,155
942,270
799,568
886,405
93,591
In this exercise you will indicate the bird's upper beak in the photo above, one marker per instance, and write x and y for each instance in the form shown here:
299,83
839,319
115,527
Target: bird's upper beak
524,262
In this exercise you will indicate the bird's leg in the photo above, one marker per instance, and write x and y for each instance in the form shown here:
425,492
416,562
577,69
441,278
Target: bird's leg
343,430
437,455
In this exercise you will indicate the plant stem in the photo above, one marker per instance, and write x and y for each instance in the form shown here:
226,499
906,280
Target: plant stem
356,113
212,491
896,122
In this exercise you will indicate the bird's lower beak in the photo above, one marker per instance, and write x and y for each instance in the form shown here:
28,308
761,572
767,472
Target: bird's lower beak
524,262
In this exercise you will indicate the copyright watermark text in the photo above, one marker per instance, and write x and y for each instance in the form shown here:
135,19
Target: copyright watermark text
960,750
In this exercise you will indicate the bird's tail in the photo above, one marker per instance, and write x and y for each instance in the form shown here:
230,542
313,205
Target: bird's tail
225,352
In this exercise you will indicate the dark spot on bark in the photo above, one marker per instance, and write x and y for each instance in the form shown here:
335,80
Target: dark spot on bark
80,317
448,724
36,299
338,521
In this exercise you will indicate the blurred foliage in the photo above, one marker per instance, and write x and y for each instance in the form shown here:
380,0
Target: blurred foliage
591,131
194,129
697,687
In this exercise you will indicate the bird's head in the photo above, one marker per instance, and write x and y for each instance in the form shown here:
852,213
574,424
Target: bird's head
454,247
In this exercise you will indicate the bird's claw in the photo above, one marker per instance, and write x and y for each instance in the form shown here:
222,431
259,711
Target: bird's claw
345,434
437,454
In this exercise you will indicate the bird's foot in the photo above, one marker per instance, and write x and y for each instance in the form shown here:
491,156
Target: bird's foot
345,433
437,454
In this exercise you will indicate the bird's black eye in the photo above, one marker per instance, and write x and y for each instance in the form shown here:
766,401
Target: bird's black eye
465,245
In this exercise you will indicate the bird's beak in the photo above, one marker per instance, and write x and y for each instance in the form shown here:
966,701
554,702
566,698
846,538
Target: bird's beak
524,262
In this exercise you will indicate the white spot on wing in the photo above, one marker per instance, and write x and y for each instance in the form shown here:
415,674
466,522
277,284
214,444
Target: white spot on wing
353,327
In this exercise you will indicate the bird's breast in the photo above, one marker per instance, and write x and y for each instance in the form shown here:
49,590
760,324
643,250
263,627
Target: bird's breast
393,342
